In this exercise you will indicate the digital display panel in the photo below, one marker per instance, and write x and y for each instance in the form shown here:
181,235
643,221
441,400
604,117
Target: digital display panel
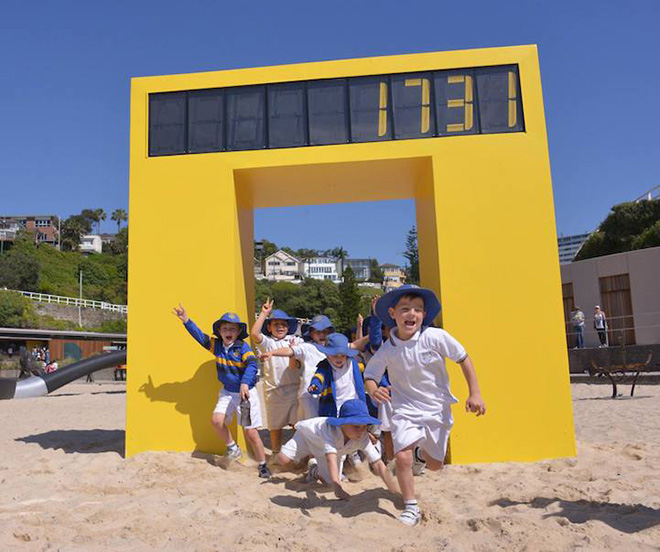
483,100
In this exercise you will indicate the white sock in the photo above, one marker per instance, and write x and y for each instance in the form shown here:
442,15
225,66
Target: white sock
411,505
232,445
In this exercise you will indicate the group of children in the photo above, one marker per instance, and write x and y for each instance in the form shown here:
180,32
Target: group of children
318,385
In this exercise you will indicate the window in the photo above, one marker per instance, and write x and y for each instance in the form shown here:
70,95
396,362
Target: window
41,223
205,121
245,118
616,302
287,124
328,119
167,123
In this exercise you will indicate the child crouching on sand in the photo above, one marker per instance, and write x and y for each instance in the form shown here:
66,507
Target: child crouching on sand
328,439
237,369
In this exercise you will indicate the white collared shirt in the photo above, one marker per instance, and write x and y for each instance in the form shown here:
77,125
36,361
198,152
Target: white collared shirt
416,369
309,356
276,369
344,383
323,438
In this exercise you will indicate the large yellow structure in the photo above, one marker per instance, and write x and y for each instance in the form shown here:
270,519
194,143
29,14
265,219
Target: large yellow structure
484,216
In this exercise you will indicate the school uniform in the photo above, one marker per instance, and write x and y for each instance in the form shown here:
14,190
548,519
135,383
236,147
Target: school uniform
316,437
420,393
281,384
335,386
309,357
235,364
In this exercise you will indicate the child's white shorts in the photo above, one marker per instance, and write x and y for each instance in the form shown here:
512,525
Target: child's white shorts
385,415
424,430
297,449
228,404
308,406
281,406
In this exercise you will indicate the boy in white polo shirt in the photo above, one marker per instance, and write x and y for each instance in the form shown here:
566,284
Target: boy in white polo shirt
421,398
328,439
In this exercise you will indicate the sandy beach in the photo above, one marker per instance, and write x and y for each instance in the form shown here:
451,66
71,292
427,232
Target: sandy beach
66,486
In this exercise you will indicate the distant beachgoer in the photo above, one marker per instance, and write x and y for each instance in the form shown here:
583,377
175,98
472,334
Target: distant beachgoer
578,327
600,324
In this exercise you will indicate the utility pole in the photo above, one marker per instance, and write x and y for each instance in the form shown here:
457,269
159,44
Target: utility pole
80,303
59,232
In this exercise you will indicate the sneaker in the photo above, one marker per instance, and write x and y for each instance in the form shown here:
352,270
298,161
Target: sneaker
264,472
419,466
411,516
233,453
312,474
355,458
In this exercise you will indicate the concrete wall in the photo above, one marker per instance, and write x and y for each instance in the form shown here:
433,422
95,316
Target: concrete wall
643,267
91,318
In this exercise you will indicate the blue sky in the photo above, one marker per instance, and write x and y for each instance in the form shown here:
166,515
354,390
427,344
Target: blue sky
66,69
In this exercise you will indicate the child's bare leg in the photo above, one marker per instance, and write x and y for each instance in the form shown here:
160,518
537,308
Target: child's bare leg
275,440
256,443
388,445
431,463
284,461
218,421
404,474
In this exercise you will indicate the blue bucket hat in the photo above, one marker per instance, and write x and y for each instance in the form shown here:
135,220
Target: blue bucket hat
234,319
319,323
353,412
278,314
337,344
390,299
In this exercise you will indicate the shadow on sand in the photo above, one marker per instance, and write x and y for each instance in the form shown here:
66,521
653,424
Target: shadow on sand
81,441
627,518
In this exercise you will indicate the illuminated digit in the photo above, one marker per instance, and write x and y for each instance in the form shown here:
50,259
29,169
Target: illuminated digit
426,101
466,103
513,95
382,110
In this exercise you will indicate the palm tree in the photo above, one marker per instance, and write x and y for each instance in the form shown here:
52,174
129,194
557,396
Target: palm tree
99,216
119,215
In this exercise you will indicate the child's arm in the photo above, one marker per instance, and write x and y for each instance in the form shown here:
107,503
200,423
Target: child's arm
333,468
249,378
255,331
282,352
372,376
201,338
360,344
474,402
358,327
386,476
375,328
317,383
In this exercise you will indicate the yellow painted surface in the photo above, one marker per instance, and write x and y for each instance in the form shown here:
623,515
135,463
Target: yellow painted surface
191,241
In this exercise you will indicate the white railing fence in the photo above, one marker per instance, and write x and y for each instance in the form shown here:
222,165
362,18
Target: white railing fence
73,301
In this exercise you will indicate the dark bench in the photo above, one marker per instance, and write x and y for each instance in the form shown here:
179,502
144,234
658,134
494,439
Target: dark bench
621,374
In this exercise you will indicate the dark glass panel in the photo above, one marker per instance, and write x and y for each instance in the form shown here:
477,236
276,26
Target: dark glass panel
454,102
370,112
327,112
286,115
205,118
245,118
413,117
167,123
500,106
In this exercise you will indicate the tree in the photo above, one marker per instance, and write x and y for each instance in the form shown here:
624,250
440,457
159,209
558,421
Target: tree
19,269
412,256
629,226
73,229
350,296
119,216
304,254
16,311
376,272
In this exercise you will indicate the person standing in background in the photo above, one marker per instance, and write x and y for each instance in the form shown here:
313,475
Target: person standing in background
600,324
578,326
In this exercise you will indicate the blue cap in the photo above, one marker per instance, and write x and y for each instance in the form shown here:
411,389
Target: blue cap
354,412
234,319
337,344
390,299
281,315
319,323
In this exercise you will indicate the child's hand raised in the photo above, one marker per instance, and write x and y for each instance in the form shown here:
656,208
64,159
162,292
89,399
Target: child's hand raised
181,313
360,320
267,307
475,404
264,357
374,300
